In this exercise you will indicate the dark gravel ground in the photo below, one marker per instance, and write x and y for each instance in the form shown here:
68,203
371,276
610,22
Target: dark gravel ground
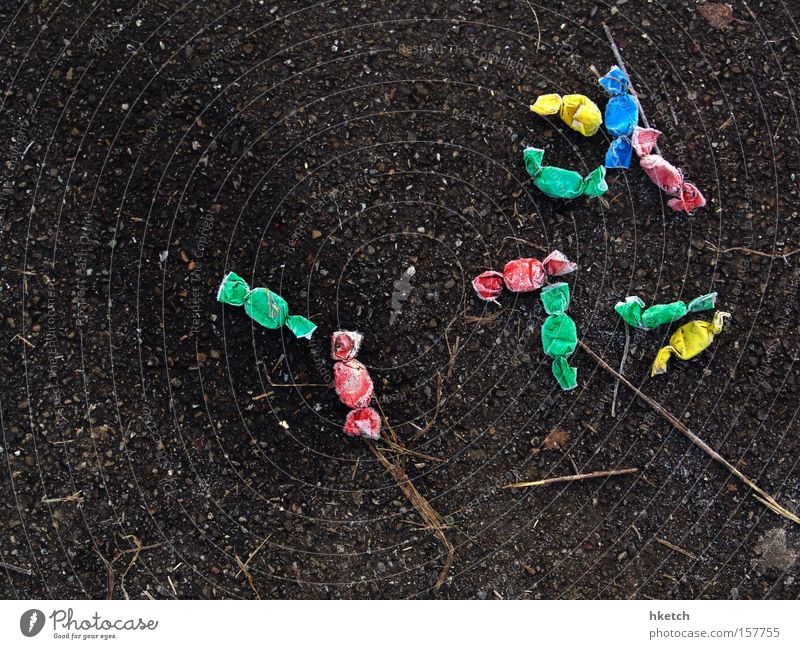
321,149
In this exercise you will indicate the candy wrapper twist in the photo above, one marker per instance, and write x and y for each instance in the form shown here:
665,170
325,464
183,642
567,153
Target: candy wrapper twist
632,310
622,116
521,275
688,341
669,178
265,307
354,386
563,183
577,111
559,336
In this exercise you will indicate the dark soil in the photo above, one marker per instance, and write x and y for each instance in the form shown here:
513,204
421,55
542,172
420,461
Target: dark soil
321,149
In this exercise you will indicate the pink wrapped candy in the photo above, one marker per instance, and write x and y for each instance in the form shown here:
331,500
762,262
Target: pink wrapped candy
556,263
521,275
364,422
345,345
488,285
662,173
353,383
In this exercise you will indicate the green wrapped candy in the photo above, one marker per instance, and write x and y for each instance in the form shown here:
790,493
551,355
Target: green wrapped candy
566,375
563,183
632,310
265,307
559,335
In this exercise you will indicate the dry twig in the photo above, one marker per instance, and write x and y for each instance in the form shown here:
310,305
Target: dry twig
672,546
137,550
421,431
530,243
759,494
109,572
77,497
429,515
23,339
297,385
750,251
12,568
248,576
571,478
481,319
621,368
621,64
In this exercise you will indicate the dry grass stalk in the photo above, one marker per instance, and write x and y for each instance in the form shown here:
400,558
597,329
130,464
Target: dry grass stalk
672,546
571,478
758,493
429,515
750,251
481,319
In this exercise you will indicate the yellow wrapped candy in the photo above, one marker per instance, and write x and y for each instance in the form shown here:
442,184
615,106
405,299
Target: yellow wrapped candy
577,111
688,341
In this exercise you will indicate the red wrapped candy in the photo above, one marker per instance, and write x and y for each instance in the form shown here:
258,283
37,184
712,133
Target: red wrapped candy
556,263
524,275
353,383
521,275
345,345
668,177
363,422
488,285
354,386
689,200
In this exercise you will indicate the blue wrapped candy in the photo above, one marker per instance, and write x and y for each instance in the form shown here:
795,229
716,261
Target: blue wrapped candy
622,115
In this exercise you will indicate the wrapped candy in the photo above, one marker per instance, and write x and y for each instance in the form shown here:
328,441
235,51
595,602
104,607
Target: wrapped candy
577,111
521,275
563,183
364,422
354,386
265,307
632,310
557,264
559,335
353,383
662,173
488,285
345,345
688,341
622,116
524,275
